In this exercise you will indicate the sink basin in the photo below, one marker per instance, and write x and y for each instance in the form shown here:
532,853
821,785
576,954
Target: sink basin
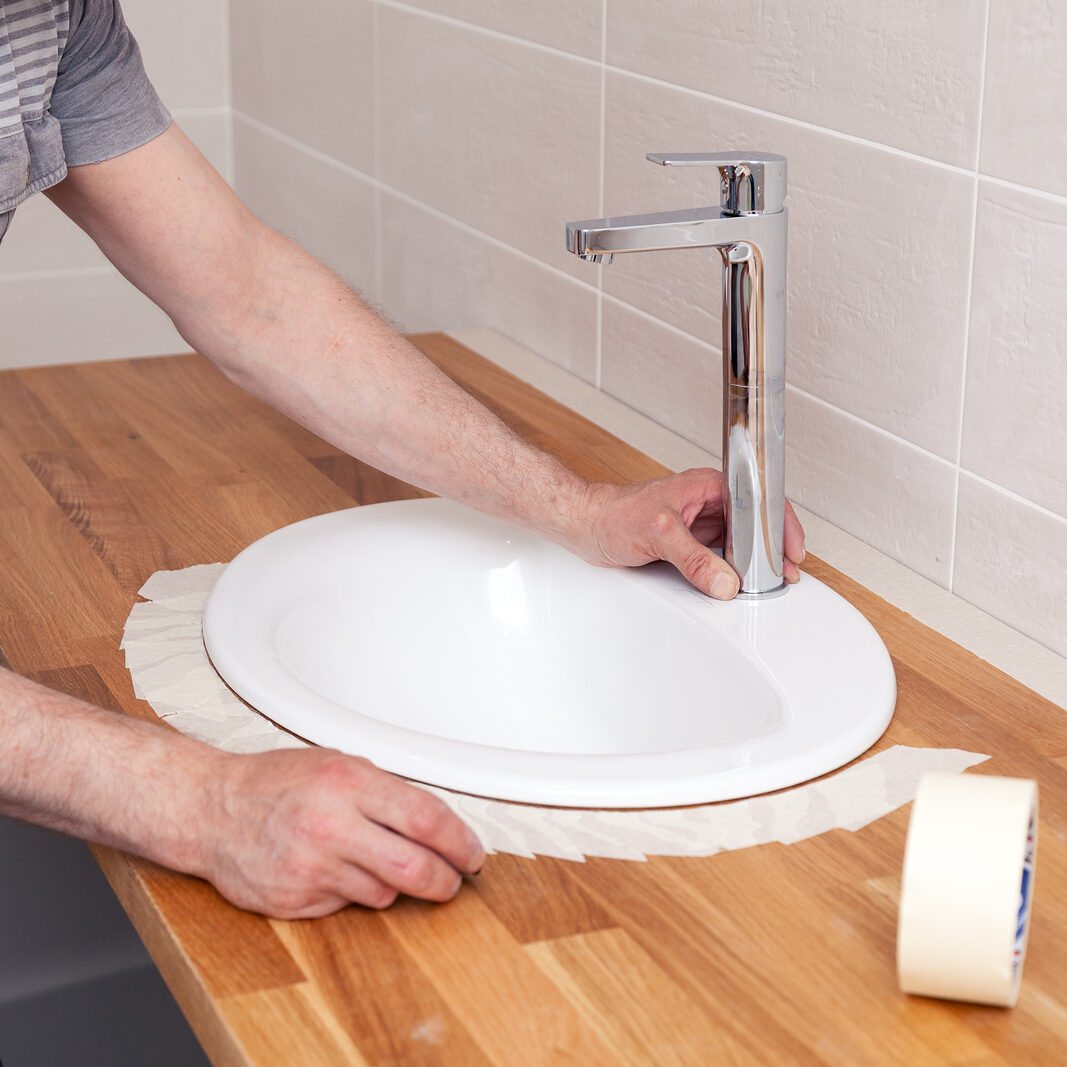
452,649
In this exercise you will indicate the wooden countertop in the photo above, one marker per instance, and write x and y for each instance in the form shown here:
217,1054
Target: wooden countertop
775,954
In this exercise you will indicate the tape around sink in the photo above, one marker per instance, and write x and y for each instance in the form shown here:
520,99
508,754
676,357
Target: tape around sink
171,671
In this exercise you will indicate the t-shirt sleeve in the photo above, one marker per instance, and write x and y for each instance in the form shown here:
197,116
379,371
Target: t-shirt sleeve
102,97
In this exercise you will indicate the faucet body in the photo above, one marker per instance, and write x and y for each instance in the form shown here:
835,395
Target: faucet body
749,229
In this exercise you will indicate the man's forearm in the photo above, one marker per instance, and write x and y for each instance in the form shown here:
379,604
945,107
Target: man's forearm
296,336
285,328
99,775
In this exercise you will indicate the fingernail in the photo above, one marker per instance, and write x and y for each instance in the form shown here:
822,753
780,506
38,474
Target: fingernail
725,586
477,859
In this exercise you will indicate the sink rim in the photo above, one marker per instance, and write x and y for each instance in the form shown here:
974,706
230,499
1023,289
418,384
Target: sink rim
697,774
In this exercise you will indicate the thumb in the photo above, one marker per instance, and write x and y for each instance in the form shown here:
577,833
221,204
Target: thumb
700,566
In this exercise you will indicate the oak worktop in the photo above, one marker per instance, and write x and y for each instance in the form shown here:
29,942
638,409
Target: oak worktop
774,954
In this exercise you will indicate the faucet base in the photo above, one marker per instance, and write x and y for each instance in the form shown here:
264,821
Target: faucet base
770,594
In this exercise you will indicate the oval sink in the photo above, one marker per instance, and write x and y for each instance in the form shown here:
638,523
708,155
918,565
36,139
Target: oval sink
453,649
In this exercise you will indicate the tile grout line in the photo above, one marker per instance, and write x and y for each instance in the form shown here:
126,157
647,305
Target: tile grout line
322,157
880,431
209,112
1016,498
56,273
486,31
969,305
227,53
598,376
749,108
376,154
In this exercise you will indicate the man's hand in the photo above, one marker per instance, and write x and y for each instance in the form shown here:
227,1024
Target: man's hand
677,519
303,833
294,833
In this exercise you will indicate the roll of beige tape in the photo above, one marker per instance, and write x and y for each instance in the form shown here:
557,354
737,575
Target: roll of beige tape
967,886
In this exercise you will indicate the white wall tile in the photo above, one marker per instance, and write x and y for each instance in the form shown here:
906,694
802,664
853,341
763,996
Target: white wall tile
325,208
102,317
1025,89
308,72
892,496
1014,431
438,275
570,25
184,50
502,136
1009,562
664,374
904,74
878,255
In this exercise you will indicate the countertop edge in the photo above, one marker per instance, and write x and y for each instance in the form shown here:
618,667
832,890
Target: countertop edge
1005,648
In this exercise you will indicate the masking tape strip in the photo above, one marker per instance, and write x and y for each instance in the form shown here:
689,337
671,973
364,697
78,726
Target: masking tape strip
967,887
171,671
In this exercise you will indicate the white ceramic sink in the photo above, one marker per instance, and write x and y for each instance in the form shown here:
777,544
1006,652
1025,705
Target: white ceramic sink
452,649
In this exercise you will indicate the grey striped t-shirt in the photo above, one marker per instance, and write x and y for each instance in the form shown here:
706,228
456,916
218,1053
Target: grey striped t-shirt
72,91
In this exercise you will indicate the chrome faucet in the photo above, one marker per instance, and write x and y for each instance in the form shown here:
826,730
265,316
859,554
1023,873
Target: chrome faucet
749,230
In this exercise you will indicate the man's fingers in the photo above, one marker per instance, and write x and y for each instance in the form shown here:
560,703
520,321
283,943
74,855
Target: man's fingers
421,817
673,541
404,866
794,537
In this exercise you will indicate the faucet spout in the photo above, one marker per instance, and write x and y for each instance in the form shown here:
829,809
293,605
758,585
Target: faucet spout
749,230
703,227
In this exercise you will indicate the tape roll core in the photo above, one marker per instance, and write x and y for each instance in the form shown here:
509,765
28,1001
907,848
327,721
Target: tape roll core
967,888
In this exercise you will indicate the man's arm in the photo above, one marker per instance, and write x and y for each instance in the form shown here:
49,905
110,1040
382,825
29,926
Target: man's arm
285,328
293,833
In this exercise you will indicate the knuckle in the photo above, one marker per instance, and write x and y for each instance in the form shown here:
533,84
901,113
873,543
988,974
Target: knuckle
416,874
662,522
428,817
338,770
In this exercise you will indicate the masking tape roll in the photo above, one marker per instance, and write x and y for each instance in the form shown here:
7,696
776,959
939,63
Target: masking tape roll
967,886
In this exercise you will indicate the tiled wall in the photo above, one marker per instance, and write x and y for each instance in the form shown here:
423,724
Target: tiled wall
431,151
60,300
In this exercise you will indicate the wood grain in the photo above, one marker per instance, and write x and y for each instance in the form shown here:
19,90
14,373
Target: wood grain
776,954
540,901
482,973
376,991
642,1015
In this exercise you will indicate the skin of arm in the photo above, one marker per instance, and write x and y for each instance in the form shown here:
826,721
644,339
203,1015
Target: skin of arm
299,833
292,833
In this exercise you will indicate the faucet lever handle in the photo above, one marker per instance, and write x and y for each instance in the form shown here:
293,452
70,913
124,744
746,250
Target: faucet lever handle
752,183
